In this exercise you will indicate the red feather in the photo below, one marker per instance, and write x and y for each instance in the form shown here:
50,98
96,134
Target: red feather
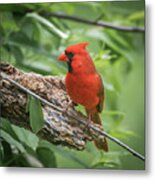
84,84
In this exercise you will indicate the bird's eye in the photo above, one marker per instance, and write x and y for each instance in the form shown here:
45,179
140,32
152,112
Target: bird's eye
69,55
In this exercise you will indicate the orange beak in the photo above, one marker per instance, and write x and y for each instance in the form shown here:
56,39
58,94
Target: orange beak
63,57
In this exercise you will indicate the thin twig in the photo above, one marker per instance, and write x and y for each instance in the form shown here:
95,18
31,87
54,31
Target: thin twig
96,23
99,131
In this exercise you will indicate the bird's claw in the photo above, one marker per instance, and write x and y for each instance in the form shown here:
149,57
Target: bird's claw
87,128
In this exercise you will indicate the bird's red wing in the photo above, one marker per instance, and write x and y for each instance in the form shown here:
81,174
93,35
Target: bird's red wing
101,96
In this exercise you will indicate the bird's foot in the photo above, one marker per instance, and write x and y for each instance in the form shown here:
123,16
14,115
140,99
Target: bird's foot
87,128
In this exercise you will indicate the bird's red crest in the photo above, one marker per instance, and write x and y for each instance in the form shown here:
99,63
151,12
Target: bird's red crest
77,47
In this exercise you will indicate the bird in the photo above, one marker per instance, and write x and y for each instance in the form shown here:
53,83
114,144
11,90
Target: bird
84,84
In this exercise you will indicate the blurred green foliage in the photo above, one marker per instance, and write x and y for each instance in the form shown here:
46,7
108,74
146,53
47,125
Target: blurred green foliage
32,42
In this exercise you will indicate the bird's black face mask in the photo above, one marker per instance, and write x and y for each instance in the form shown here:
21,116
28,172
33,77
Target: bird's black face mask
70,56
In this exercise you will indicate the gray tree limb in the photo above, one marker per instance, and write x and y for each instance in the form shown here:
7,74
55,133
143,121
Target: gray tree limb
96,23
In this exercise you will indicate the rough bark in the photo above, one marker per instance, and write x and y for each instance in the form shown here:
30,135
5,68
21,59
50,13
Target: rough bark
58,128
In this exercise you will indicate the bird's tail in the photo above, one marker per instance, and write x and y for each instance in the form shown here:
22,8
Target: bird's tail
100,144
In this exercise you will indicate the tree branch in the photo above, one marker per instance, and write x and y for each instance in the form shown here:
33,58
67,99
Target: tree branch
96,23
67,129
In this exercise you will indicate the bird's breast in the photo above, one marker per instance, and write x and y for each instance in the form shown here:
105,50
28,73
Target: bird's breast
83,89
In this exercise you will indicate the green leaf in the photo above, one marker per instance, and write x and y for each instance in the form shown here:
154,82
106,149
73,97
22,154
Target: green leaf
19,39
36,115
26,137
28,27
17,53
46,156
6,153
114,113
32,161
48,24
12,141
136,16
63,154
122,133
8,22
6,126
108,160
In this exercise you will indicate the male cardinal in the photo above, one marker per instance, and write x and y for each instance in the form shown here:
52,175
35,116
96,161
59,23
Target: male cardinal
84,84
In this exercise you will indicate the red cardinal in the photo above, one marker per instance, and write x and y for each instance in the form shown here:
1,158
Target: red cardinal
84,84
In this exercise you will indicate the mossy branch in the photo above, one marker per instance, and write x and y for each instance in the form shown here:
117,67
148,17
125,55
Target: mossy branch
59,128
